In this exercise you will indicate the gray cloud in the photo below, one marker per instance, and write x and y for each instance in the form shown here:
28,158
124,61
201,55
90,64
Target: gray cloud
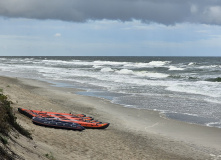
160,11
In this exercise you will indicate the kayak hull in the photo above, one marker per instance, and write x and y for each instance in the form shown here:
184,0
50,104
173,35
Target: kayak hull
53,123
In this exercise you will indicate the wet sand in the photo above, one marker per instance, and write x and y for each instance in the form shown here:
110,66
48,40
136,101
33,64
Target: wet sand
132,134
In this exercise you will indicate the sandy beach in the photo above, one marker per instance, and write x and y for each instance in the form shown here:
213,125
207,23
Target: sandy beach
135,134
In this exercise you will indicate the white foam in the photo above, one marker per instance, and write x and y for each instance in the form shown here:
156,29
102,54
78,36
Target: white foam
146,65
62,62
173,68
209,67
107,69
151,74
102,64
214,124
124,71
138,65
213,100
142,73
111,63
96,66
191,114
126,76
192,63
199,87
159,63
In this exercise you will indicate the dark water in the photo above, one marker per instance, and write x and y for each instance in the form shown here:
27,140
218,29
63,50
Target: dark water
183,88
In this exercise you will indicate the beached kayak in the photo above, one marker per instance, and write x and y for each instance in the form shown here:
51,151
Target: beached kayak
34,113
81,119
55,123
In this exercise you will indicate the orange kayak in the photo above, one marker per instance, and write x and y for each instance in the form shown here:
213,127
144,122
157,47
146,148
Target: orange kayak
34,113
81,119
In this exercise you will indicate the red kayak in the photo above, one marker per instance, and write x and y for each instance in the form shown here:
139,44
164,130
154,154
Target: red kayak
81,119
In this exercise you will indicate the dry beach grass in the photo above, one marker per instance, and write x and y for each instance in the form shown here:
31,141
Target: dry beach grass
133,134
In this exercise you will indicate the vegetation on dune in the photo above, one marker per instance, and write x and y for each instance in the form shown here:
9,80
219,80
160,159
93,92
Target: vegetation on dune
8,119
7,123
49,156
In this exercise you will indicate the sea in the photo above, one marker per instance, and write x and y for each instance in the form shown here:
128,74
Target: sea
181,88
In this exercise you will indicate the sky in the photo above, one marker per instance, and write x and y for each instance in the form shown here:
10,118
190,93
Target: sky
110,28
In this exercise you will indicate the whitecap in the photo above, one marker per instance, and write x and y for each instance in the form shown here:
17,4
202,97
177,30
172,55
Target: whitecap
111,63
199,87
158,63
125,71
192,63
173,68
151,74
107,69
214,124
96,66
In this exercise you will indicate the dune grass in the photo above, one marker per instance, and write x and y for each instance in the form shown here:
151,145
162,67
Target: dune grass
8,119
7,123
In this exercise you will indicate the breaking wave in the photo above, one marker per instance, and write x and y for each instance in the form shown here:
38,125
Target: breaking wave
218,79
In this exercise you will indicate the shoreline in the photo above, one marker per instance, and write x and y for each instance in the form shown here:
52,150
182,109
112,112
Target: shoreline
133,133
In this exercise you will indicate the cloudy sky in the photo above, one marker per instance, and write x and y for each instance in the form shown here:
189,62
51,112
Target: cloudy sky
110,28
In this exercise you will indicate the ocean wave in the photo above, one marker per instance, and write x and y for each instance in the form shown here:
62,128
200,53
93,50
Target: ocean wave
210,66
100,63
107,69
158,63
142,73
183,77
176,76
146,65
197,88
193,78
94,64
111,63
137,65
174,68
152,75
132,64
62,62
97,66
125,71
214,124
218,79
213,100
192,64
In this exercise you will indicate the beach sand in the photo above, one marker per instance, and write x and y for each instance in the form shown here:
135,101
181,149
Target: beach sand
133,134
